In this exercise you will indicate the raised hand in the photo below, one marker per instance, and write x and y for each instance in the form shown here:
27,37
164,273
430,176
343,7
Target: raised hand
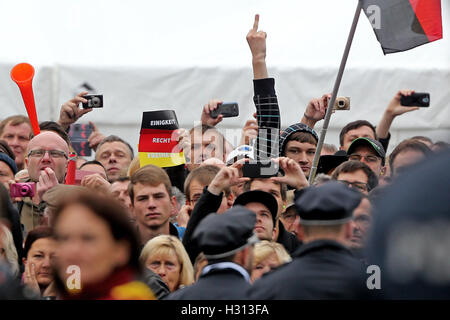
184,215
249,132
96,137
227,177
293,174
395,108
257,43
30,278
206,113
96,182
316,110
47,180
70,111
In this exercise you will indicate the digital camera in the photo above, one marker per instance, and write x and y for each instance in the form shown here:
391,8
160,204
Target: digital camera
342,103
93,101
24,189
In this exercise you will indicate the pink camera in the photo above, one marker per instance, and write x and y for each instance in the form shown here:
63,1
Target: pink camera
25,189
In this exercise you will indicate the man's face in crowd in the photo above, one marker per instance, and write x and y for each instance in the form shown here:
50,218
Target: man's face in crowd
206,146
363,131
405,159
17,138
115,157
152,205
362,219
119,190
271,187
369,157
264,227
357,179
196,191
303,153
47,141
290,219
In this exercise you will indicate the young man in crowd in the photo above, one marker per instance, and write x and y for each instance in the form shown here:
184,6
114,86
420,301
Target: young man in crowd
356,174
152,202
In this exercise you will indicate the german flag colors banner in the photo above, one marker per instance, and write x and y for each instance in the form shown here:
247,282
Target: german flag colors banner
401,25
158,143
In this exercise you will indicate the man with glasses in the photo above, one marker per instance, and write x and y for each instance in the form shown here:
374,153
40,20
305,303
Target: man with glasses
356,175
370,152
46,161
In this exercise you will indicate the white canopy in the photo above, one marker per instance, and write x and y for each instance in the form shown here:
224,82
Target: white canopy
148,55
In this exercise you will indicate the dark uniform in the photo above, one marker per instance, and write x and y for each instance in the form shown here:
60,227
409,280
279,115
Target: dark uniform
219,237
321,269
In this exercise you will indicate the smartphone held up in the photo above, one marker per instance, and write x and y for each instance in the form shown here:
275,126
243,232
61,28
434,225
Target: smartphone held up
417,99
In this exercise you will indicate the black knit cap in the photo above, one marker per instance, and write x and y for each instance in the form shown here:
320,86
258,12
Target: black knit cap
10,162
297,127
330,204
222,235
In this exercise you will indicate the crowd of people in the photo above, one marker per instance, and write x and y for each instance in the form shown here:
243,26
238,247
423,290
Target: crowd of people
204,230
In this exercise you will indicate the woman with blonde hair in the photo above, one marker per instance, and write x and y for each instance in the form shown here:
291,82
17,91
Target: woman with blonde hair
166,256
8,250
267,256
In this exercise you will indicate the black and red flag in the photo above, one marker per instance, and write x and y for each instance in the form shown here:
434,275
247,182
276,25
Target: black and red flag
401,25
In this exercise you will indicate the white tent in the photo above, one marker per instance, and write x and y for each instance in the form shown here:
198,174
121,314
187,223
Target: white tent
148,55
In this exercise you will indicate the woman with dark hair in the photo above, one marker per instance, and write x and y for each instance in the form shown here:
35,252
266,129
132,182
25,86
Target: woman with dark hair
39,251
97,250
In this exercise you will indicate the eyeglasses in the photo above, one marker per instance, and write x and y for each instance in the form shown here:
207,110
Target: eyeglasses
363,187
39,154
358,157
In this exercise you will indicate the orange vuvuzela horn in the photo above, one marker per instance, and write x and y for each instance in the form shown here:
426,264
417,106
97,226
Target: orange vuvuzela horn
23,74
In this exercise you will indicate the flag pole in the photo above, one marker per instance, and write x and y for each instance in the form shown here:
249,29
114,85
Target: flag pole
334,94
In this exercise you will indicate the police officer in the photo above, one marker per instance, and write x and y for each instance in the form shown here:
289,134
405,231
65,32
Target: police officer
227,242
323,268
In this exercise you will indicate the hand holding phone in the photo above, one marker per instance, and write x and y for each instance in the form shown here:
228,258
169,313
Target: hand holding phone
226,109
416,99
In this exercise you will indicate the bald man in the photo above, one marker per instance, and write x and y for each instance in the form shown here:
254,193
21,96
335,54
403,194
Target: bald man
46,160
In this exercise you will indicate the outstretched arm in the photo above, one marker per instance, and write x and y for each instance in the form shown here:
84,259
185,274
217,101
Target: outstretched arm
257,42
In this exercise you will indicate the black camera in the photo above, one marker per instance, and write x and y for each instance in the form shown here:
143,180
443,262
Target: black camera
417,99
93,101
260,169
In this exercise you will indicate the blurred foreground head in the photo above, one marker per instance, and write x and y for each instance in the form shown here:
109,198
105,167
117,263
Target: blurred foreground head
410,241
